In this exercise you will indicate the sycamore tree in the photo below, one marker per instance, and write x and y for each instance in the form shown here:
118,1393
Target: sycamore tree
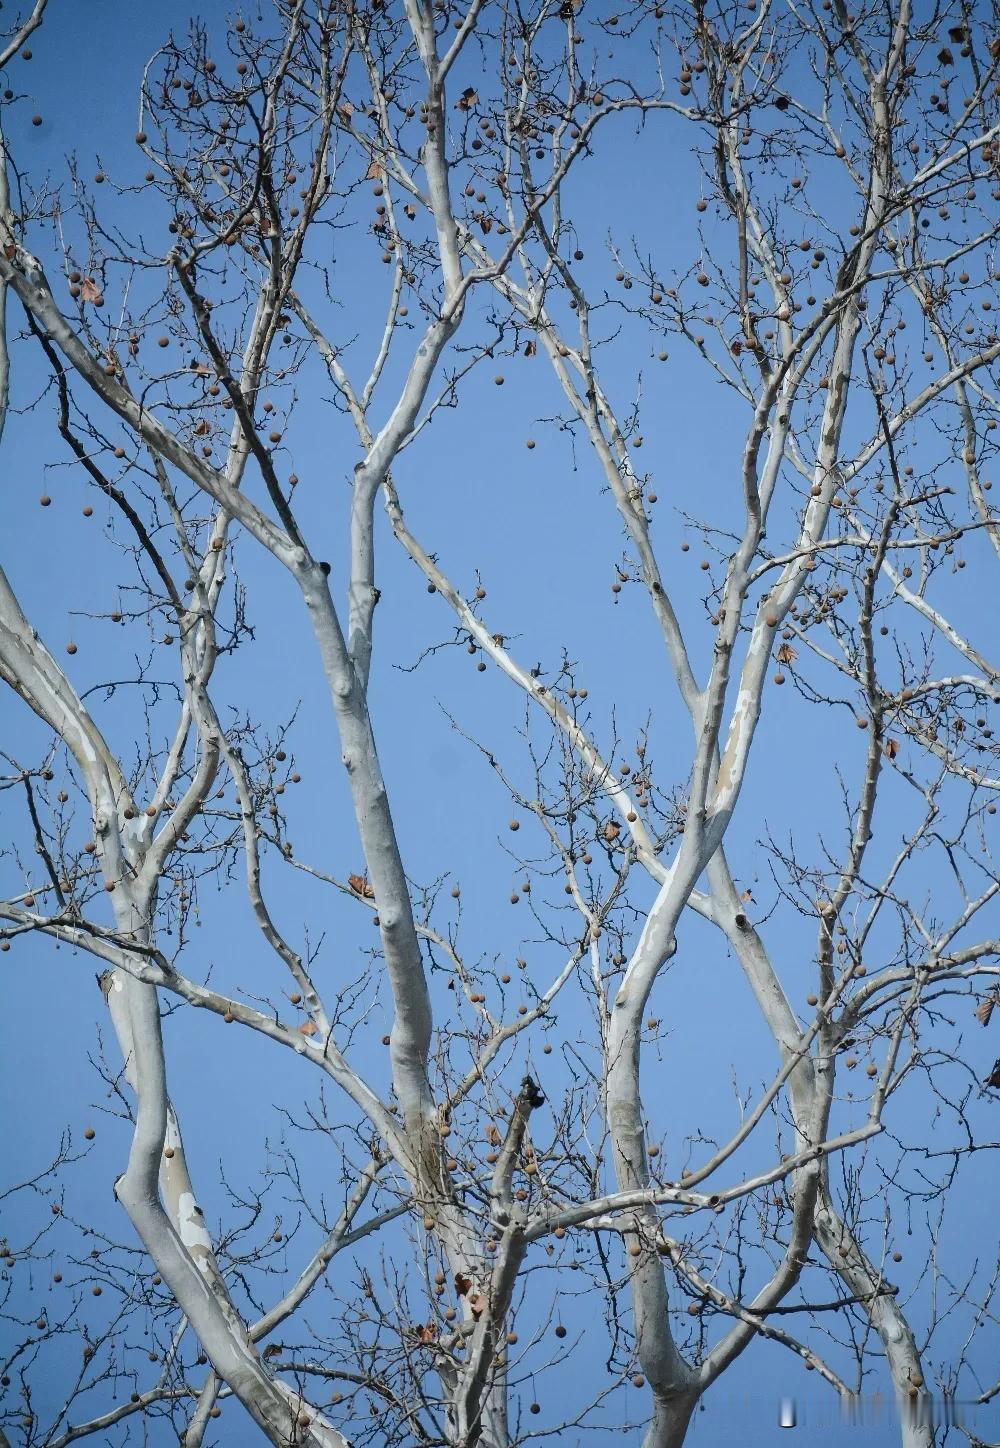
745,253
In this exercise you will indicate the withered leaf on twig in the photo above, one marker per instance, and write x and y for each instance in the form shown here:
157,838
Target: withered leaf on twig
984,1010
361,885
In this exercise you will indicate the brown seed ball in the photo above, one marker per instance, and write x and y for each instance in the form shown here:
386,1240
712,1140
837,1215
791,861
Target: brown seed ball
897,1256
89,1133
560,1330
228,1017
36,120
140,138
386,1040
295,998
638,1381
96,1291
88,511
535,1408
559,1232
871,1070
812,1000
163,341
45,500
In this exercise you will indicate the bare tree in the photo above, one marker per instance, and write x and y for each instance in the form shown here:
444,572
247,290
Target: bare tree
830,273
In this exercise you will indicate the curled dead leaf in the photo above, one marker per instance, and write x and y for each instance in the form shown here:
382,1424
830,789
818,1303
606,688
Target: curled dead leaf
985,1009
308,1028
361,885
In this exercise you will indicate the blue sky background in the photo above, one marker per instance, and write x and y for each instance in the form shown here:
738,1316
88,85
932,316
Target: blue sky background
543,535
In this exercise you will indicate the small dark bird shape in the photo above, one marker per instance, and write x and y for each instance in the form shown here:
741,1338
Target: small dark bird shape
993,1079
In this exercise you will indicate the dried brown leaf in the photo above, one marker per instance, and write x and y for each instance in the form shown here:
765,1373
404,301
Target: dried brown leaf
985,1009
